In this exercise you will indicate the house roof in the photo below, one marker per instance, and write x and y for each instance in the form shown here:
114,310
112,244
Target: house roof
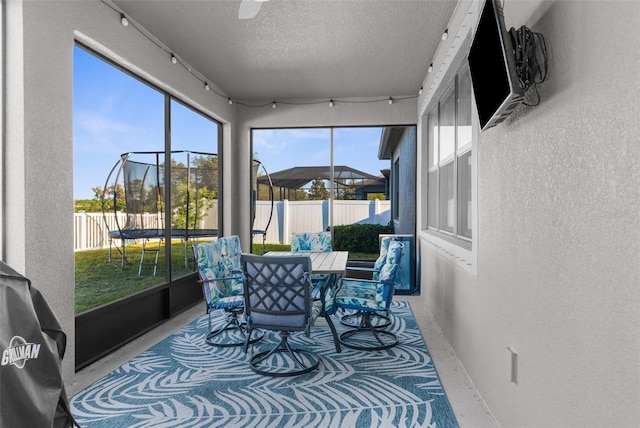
298,176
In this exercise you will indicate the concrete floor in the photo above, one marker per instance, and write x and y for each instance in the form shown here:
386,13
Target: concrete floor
468,406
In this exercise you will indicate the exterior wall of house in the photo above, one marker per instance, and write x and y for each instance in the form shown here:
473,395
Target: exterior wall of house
38,145
558,206
406,154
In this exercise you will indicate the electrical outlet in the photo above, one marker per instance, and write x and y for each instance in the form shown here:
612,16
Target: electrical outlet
513,365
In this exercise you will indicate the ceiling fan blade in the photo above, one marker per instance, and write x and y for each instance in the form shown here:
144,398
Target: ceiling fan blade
249,9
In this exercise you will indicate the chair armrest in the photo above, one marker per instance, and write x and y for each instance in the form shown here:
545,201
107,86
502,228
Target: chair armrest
222,278
362,269
367,286
325,290
216,288
354,282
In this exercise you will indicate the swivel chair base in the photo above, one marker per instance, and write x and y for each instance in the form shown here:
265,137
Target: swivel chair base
295,361
234,332
378,319
368,337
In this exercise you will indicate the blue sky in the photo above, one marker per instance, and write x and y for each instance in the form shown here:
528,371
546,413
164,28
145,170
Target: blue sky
280,149
114,113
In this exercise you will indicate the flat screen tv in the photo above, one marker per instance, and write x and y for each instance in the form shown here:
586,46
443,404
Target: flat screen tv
492,66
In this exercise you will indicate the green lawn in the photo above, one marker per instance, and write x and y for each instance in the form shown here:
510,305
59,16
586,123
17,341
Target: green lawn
99,282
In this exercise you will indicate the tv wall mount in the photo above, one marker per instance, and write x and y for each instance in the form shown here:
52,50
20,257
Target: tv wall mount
530,52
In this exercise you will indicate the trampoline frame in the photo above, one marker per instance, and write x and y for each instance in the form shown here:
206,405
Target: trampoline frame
146,234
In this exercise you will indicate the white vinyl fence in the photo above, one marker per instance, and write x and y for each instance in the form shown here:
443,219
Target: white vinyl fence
91,232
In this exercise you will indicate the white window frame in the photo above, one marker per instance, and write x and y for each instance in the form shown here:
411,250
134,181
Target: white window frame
448,212
461,252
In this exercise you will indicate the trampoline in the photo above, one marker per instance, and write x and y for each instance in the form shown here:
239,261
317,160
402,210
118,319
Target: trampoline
135,193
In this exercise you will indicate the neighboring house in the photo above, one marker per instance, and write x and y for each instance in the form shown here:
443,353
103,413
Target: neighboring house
372,186
398,144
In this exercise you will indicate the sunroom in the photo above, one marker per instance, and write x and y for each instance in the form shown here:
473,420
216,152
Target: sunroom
534,282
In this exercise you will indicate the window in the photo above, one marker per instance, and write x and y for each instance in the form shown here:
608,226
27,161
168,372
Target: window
299,160
395,182
449,162
116,113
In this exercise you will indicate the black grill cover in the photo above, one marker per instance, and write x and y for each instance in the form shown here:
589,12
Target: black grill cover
32,345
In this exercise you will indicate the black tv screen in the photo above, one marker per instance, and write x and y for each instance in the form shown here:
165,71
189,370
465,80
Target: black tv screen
492,66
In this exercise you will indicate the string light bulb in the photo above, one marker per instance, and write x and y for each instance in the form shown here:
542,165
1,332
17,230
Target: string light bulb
174,60
229,100
331,103
273,105
430,68
206,86
420,91
390,100
445,35
124,20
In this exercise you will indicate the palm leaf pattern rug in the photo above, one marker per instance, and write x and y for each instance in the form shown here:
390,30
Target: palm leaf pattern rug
183,382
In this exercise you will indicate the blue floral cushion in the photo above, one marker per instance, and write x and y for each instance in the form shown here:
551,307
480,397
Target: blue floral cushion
394,251
360,294
317,242
382,258
374,295
218,264
311,241
330,301
316,308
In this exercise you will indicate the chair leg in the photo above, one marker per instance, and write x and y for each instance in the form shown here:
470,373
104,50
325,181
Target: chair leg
334,333
300,361
382,339
233,333
378,319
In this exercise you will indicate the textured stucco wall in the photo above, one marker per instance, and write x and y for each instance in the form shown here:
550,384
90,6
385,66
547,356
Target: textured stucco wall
38,239
558,233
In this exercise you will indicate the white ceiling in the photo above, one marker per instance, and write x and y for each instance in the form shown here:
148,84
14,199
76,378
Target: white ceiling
301,49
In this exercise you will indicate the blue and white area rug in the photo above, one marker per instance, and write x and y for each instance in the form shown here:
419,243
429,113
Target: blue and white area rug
183,382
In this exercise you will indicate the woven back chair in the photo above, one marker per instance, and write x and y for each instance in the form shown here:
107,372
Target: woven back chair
277,291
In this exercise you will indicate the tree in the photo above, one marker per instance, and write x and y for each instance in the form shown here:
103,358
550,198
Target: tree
318,191
194,196
103,200
87,205
193,191
195,203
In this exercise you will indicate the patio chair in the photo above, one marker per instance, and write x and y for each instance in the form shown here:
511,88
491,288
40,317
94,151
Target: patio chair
311,241
218,264
368,298
277,292
378,319
317,242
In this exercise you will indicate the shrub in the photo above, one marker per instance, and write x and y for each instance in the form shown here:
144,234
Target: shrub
360,238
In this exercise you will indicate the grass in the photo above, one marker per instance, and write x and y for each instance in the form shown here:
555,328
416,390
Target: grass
99,282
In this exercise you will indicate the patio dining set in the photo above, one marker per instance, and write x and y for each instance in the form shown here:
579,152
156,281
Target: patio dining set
286,292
